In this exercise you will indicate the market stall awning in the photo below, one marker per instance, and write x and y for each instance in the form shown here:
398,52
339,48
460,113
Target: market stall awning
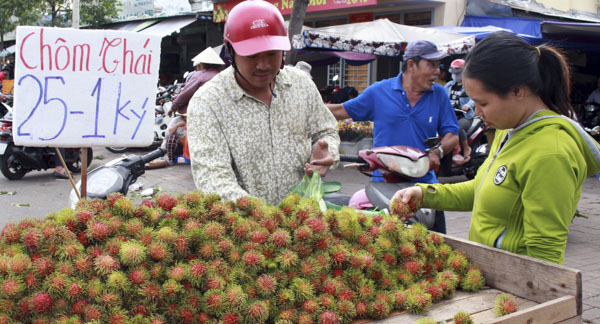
379,37
577,32
166,27
8,51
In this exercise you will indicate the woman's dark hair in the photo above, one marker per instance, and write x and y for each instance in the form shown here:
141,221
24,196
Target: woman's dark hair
217,67
503,61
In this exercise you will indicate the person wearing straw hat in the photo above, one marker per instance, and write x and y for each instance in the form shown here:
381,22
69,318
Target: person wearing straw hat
210,65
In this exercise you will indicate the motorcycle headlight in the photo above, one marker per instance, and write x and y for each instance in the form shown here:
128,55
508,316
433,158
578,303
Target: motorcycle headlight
405,166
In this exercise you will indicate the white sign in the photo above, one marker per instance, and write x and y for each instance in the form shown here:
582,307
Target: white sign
83,88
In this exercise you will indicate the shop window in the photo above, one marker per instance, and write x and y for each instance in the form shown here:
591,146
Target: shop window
331,22
417,18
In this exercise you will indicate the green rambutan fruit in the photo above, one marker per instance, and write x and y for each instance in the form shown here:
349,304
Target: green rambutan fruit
56,283
257,312
310,306
75,290
12,287
266,285
196,273
462,317
426,320
286,297
132,253
366,289
302,288
166,234
209,250
505,304
303,233
150,292
435,291
214,282
19,264
379,309
253,260
346,309
118,281
94,288
133,227
105,264
280,238
362,309
92,313
457,262
110,300
473,280
327,302
214,302
417,300
156,271
158,252
235,297
214,230
171,288
180,212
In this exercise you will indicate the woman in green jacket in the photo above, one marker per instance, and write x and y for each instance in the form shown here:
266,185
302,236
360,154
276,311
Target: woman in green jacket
525,194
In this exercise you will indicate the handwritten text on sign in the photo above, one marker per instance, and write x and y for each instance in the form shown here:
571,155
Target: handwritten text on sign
80,88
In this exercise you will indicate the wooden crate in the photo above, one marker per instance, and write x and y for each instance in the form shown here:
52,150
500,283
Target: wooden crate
545,292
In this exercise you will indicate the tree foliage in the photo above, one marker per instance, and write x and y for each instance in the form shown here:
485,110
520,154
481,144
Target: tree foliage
17,12
92,12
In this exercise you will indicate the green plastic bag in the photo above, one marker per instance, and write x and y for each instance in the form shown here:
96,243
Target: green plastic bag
312,187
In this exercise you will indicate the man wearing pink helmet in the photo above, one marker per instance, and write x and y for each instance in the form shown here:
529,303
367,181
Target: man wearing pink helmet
258,126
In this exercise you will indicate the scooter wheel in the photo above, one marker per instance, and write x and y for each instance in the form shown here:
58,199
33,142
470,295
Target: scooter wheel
116,149
11,170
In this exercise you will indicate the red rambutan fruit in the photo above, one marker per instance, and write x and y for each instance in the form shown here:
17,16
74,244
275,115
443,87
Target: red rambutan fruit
42,302
505,304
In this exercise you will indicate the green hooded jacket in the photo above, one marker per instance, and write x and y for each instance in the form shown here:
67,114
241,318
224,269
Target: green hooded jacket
525,193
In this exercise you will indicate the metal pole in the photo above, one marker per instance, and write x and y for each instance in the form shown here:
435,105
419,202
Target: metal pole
75,23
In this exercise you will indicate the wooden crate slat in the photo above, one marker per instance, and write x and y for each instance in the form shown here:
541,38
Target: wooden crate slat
552,311
522,276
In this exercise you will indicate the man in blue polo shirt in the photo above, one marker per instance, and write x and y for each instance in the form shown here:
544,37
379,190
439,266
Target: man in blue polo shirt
408,109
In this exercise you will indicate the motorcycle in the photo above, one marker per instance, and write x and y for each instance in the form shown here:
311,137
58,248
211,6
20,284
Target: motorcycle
589,117
164,101
398,165
116,175
16,161
477,140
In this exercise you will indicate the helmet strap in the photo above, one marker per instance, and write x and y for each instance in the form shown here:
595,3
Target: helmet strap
236,70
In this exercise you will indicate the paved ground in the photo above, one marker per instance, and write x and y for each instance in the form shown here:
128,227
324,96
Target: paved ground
41,194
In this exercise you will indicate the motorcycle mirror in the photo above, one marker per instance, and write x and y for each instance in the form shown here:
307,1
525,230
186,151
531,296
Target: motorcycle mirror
186,74
335,78
432,141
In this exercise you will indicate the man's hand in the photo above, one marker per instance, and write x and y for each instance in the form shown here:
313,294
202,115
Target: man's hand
434,159
171,112
320,159
3,98
466,108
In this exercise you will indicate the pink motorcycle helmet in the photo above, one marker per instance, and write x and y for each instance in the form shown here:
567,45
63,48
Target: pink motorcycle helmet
359,200
255,26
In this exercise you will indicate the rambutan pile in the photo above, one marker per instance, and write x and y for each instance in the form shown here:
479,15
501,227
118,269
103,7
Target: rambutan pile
192,258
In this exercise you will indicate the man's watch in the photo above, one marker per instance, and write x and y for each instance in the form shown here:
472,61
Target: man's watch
441,151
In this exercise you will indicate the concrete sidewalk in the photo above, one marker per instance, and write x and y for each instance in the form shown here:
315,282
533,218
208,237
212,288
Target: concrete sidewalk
583,247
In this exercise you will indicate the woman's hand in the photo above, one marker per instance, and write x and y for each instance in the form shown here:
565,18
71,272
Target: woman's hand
405,195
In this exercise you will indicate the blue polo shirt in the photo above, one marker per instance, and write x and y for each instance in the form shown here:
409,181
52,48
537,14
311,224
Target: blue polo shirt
397,123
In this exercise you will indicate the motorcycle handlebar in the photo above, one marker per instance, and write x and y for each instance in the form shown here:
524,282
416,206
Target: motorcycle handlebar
154,154
351,158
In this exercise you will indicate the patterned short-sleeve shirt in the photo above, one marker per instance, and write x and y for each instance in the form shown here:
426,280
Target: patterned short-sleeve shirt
240,147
